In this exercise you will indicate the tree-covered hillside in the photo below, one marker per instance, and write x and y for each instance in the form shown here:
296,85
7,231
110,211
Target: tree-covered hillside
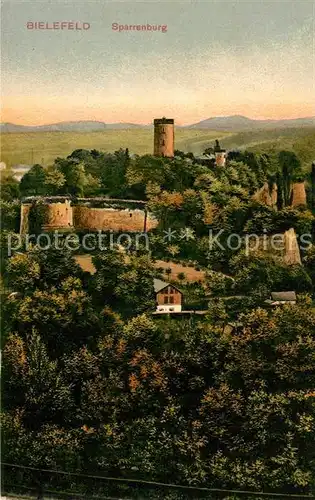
94,383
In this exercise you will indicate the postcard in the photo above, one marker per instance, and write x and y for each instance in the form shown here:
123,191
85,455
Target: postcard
157,206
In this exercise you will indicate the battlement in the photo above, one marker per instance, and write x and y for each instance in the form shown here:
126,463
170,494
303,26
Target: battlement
77,200
163,121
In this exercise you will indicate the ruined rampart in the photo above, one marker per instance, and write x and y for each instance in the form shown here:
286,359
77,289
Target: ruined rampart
80,214
292,249
298,194
268,195
106,219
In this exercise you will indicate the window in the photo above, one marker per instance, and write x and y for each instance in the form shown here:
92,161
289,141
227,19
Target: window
171,300
165,299
170,289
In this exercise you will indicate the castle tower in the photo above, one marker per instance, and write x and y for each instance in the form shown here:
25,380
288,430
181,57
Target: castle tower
220,155
164,137
55,213
59,215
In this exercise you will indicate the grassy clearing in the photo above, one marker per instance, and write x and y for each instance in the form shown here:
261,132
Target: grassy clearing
191,274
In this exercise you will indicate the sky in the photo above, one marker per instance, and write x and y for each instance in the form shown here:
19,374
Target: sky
215,58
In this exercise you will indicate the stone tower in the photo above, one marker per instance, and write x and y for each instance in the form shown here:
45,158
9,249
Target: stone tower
164,137
220,155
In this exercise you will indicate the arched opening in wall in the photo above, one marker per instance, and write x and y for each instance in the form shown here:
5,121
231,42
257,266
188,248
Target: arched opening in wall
130,215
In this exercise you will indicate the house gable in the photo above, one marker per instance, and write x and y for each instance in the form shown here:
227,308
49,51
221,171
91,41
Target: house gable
168,297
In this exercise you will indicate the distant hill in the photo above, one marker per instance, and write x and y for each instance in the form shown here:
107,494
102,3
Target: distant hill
238,122
227,123
79,126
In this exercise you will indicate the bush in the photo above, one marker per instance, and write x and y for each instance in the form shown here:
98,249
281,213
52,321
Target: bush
10,215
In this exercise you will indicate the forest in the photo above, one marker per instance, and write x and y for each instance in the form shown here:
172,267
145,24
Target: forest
94,384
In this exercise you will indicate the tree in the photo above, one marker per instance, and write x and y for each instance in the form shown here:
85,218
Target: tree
313,185
41,268
113,173
22,273
55,180
124,282
257,270
64,317
56,265
168,272
33,182
10,188
36,381
147,169
218,284
181,276
10,215
76,178
290,168
309,261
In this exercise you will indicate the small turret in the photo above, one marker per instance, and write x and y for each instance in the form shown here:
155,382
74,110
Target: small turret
220,155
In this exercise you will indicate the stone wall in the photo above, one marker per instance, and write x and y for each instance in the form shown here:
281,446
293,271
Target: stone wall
61,215
107,219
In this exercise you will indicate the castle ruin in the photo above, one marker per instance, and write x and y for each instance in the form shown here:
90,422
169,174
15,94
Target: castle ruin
93,214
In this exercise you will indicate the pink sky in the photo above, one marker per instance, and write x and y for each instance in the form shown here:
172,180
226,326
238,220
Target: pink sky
251,58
